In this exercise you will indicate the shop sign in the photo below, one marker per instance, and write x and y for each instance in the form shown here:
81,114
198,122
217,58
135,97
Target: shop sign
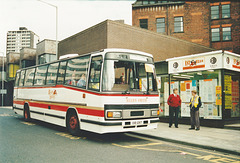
193,63
232,62
207,62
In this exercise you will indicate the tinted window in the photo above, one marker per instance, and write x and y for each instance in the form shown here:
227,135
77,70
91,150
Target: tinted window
61,72
29,77
227,34
225,11
95,73
40,75
143,23
22,75
52,74
215,34
77,71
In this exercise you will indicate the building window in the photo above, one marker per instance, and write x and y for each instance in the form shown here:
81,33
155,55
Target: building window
226,33
214,12
215,34
178,24
225,11
143,23
45,58
160,25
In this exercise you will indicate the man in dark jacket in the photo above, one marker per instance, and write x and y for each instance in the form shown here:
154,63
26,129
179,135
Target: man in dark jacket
195,104
174,103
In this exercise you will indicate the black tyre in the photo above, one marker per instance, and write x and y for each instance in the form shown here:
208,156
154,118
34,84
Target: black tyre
73,123
26,114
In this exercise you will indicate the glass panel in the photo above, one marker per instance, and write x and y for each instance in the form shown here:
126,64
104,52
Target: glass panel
95,73
29,77
120,76
178,24
21,82
77,70
61,72
215,34
214,12
52,74
17,79
225,11
40,75
160,25
46,58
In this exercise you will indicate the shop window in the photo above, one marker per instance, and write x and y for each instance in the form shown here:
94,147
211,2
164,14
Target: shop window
143,23
226,33
214,12
77,71
215,34
28,81
52,74
231,88
61,72
226,11
205,83
160,23
178,24
40,75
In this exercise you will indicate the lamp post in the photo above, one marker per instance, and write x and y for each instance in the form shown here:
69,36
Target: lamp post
2,75
56,24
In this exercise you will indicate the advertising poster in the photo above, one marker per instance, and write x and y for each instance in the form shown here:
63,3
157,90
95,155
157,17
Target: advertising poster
159,82
228,91
166,109
185,110
218,95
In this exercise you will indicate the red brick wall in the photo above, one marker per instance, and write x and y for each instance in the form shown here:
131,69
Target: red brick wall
197,22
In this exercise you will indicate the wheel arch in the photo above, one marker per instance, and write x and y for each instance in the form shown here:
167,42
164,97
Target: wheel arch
71,109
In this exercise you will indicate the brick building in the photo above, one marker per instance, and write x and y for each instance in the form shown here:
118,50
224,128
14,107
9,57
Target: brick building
213,24
112,34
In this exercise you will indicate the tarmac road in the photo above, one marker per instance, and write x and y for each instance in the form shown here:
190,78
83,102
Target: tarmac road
37,141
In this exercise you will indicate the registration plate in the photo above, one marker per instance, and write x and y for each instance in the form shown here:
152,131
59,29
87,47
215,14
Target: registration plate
136,122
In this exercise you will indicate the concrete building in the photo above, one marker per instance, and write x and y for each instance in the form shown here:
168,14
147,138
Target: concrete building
46,51
27,57
214,24
112,34
21,38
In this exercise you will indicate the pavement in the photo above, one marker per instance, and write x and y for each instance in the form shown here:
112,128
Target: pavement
224,140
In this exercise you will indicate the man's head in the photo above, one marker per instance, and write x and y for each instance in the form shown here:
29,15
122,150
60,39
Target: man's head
175,90
194,92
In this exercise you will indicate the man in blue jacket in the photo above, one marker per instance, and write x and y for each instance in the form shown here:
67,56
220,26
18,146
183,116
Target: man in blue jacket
195,104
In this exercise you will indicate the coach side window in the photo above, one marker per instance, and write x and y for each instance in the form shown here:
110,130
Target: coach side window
77,71
29,77
52,73
17,79
61,72
21,81
95,73
40,75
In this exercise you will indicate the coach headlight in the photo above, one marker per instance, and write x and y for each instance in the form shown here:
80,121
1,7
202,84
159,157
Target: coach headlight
155,112
114,114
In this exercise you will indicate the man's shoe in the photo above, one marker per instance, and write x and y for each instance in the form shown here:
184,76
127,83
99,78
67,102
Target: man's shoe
176,126
191,128
170,126
197,129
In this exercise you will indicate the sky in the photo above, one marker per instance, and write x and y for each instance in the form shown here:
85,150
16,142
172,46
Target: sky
73,16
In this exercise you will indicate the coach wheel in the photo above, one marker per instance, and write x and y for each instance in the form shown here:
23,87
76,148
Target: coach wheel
73,123
26,114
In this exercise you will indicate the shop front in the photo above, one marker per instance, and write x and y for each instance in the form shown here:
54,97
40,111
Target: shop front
215,76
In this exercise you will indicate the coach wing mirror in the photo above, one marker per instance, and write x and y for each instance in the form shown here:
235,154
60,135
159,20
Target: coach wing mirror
97,65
